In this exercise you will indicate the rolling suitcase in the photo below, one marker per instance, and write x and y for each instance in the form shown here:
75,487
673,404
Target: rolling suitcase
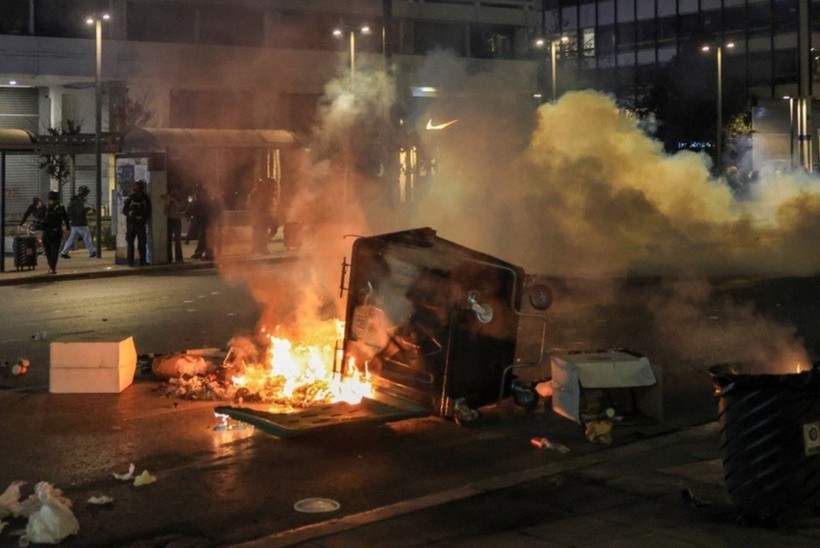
24,249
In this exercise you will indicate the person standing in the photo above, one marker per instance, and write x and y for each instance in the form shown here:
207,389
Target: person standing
137,211
205,212
53,221
78,212
173,212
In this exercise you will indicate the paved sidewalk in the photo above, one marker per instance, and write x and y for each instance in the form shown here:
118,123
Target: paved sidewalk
82,266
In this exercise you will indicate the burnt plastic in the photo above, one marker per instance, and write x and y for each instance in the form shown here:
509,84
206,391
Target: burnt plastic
766,464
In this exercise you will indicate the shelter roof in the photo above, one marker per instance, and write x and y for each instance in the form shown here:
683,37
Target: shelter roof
16,140
143,139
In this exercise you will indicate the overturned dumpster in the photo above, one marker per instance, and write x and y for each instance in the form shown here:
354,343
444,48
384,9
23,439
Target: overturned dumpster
432,323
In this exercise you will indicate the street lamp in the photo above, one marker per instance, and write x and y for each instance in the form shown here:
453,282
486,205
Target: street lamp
97,21
719,57
554,45
339,32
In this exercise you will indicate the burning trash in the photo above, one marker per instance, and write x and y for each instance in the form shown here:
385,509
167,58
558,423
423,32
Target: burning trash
271,370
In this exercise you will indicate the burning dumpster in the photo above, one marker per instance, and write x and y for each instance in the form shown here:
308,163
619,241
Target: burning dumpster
431,324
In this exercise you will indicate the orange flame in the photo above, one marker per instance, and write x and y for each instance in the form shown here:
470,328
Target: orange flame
301,373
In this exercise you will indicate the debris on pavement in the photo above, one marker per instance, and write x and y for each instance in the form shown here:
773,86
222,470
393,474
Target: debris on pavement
599,431
128,475
544,388
21,367
10,500
144,479
40,335
100,500
181,364
315,505
545,443
52,519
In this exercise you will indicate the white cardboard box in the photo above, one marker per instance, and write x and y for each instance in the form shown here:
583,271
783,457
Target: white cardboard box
91,367
573,372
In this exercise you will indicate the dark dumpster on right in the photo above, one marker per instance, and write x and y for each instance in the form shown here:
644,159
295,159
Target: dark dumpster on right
770,439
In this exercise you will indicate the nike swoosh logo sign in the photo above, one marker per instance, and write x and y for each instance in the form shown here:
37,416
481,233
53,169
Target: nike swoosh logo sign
430,124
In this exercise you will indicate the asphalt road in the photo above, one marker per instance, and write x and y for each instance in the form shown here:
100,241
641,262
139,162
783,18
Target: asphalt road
222,487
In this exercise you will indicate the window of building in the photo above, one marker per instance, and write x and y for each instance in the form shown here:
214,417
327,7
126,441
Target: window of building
430,35
569,17
667,29
588,44
689,25
492,41
606,12
231,26
785,14
626,10
160,22
626,34
687,6
587,18
606,40
785,65
66,18
734,18
760,67
759,14
646,31
646,9
666,8
15,17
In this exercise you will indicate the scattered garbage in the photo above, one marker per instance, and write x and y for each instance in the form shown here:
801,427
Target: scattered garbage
21,367
316,505
181,364
144,479
225,423
545,443
50,519
100,500
39,336
128,475
599,431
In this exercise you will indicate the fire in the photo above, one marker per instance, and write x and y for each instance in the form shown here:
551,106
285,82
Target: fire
302,373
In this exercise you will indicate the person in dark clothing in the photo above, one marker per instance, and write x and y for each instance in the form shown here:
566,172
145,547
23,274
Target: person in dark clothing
205,211
173,212
78,212
36,210
137,211
53,221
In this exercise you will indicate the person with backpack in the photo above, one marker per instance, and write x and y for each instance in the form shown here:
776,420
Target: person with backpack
137,211
78,213
53,221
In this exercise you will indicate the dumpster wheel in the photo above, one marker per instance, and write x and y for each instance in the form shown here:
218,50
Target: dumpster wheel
464,415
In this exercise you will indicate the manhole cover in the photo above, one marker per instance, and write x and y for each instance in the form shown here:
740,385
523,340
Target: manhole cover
315,505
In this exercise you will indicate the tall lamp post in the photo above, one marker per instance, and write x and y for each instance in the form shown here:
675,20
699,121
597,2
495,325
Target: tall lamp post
97,21
719,137
554,45
339,32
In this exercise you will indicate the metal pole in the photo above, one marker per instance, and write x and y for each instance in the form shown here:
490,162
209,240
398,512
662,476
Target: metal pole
719,159
97,137
3,211
352,53
791,133
554,69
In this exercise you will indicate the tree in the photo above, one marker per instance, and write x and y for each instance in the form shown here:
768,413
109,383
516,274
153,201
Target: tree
58,166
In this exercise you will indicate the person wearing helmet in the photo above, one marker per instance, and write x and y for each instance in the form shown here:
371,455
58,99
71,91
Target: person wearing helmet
78,212
53,221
